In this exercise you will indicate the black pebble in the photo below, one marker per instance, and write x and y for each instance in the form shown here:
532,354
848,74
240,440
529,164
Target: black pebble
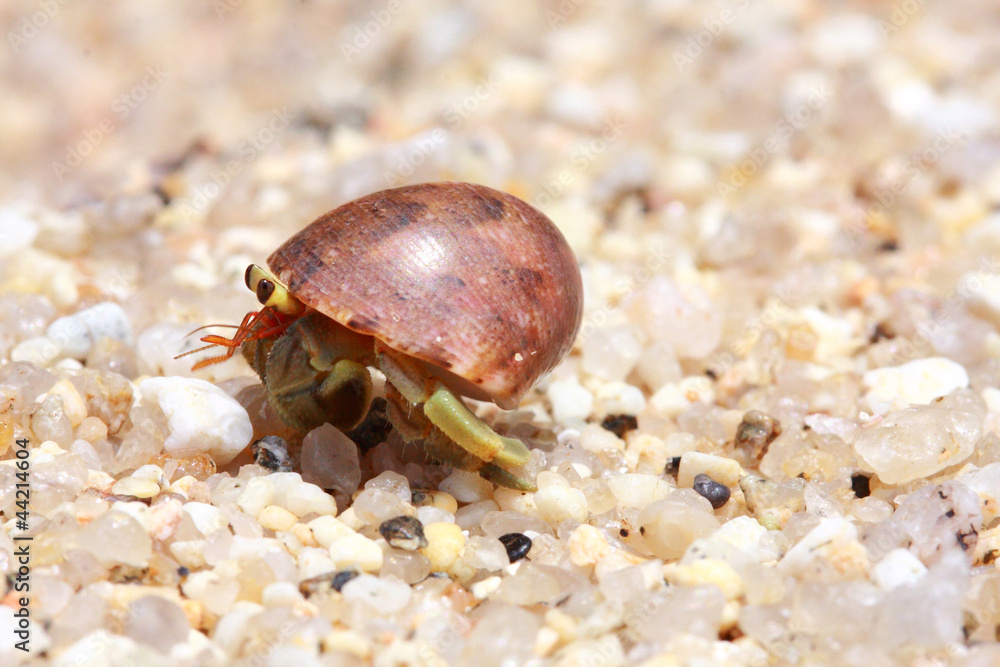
271,452
517,544
861,484
373,429
620,424
716,493
673,466
403,532
341,578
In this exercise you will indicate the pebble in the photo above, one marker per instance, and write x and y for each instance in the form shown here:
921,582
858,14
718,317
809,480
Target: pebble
276,518
611,353
271,453
445,542
833,544
356,550
714,492
403,532
466,487
917,442
723,470
914,383
201,418
17,230
74,406
328,581
207,518
384,596
256,495
76,334
137,488
587,546
557,503
330,459
670,525
638,490
616,398
570,400
517,545
706,572
897,568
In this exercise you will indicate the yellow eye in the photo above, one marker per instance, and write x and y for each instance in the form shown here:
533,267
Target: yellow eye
270,292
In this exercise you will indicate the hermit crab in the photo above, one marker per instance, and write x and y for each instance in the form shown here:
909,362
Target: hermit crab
450,289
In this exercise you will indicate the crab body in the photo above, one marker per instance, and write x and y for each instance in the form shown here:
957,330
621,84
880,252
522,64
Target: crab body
450,289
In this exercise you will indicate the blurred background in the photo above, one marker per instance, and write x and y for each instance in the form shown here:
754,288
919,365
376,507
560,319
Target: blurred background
162,145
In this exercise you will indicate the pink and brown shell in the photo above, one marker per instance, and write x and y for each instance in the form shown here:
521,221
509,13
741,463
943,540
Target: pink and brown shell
476,283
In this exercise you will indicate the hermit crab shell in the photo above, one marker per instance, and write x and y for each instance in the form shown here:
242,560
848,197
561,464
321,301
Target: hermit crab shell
475,283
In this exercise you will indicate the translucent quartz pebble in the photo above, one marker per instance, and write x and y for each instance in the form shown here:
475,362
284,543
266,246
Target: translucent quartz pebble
156,621
919,441
17,230
938,518
385,596
670,525
330,460
502,635
611,353
56,481
115,537
75,334
50,422
915,382
201,418
684,318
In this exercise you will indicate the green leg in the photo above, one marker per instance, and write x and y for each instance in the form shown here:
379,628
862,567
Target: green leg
447,413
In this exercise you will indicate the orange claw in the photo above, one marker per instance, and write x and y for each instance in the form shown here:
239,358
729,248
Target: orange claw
256,325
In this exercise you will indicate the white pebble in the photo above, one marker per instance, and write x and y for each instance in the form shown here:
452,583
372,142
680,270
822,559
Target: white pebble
256,495
328,529
914,383
276,518
897,568
638,490
201,418
207,518
723,470
570,400
307,498
618,398
466,487
611,353
39,350
74,406
356,550
17,230
75,334
140,488
557,503
385,596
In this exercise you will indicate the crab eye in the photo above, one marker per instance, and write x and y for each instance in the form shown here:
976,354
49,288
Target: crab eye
265,288
246,277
